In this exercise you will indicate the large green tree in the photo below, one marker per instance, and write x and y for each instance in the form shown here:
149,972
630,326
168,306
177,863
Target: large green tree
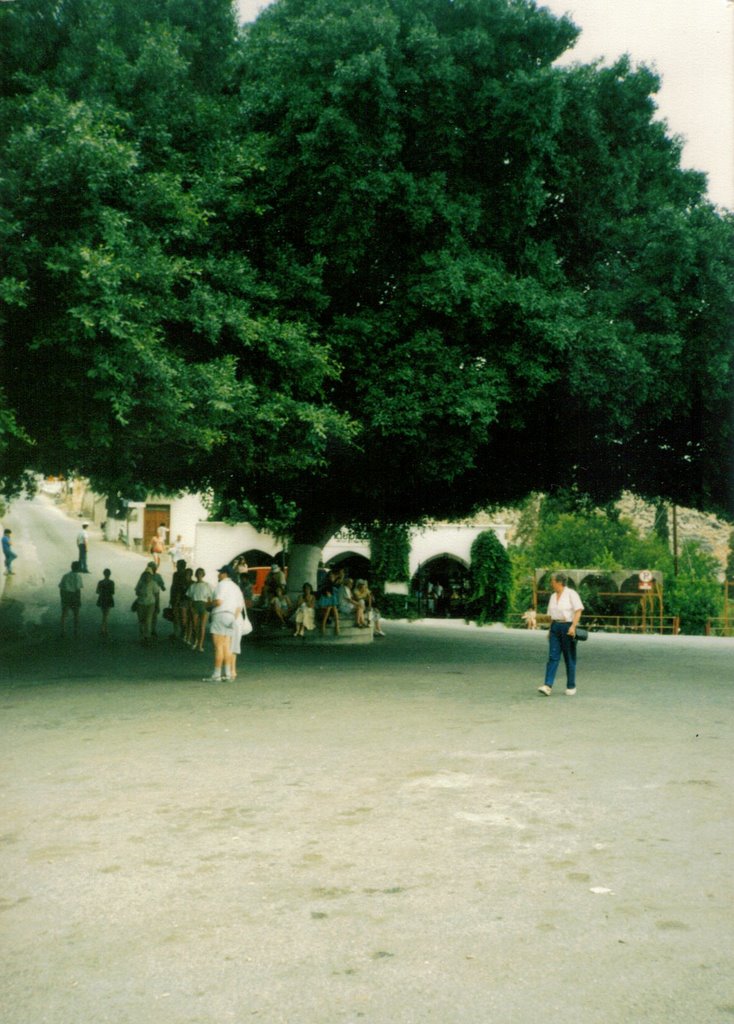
523,287
369,260
138,346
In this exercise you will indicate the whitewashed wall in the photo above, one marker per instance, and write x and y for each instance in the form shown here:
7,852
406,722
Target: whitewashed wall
187,512
343,543
218,543
453,539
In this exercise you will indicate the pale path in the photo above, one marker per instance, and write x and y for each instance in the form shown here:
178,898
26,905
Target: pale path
398,833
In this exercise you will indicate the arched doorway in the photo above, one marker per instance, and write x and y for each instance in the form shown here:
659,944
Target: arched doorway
255,557
442,584
354,565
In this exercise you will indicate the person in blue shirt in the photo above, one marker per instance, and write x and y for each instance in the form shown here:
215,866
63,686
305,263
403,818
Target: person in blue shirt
8,554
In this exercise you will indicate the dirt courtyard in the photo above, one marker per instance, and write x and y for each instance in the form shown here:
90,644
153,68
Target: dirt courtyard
398,833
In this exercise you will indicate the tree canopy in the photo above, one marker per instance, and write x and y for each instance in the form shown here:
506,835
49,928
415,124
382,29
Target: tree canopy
363,260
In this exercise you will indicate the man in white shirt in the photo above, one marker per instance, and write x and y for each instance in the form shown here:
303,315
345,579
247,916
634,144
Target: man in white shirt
81,542
564,608
226,606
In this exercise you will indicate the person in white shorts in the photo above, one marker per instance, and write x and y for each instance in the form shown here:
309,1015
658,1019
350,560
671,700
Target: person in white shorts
226,608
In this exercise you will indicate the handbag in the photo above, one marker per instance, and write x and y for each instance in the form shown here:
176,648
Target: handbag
246,627
582,633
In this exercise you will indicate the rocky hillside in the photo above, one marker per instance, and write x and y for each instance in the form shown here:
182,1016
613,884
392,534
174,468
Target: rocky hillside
712,533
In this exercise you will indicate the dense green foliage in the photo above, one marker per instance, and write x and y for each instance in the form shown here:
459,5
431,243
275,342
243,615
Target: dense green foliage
389,553
377,259
491,579
695,594
554,537
139,346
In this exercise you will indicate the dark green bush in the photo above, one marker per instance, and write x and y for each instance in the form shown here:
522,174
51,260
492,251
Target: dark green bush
491,579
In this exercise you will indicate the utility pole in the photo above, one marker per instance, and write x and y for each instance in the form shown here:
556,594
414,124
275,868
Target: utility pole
675,541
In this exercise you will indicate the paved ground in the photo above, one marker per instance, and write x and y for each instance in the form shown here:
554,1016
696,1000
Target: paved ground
396,834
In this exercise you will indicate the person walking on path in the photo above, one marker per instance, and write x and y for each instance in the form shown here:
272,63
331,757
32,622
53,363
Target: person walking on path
81,542
70,589
226,605
146,595
156,549
105,598
8,554
564,608
161,588
179,585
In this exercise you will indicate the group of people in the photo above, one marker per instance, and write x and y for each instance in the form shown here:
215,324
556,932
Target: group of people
448,601
70,590
193,605
337,596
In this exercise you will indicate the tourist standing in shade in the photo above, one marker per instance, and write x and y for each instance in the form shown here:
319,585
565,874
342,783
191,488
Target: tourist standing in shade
106,598
70,590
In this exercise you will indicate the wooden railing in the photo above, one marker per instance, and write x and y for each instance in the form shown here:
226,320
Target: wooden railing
665,624
722,625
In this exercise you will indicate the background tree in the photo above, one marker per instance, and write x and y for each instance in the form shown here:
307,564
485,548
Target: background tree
370,260
696,595
137,348
591,539
730,558
502,253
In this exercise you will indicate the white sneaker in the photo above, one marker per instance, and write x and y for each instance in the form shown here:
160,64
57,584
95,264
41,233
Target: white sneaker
212,679
570,691
545,690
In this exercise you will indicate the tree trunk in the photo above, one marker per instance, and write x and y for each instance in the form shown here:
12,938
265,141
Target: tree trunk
306,550
303,564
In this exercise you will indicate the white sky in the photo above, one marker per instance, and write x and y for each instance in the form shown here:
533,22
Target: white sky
691,45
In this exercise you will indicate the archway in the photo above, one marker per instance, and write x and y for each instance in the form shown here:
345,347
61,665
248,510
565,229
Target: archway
355,566
255,557
442,585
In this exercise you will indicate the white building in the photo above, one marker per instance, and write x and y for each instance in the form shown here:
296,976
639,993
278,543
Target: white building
434,549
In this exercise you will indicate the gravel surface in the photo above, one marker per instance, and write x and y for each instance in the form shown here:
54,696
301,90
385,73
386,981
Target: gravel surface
392,833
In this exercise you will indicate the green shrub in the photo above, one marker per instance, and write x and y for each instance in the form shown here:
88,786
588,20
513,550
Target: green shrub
695,594
491,579
522,565
399,606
